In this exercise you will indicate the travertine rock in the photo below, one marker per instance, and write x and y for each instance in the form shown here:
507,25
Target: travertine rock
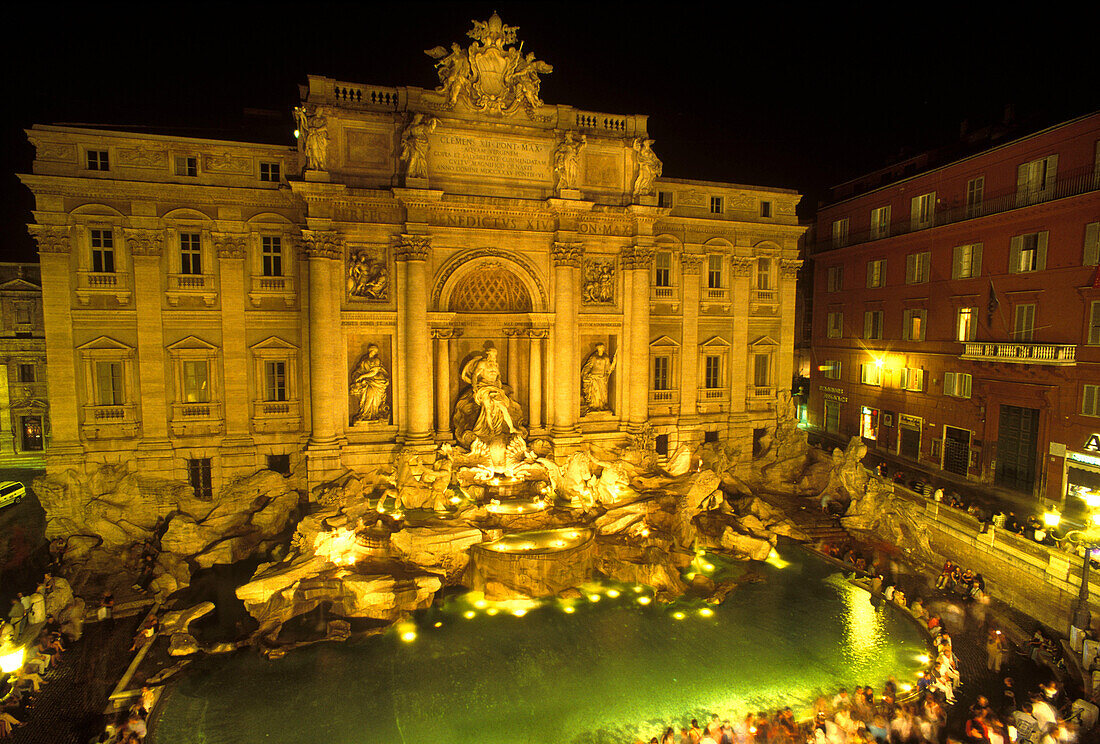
179,621
182,644
754,548
444,547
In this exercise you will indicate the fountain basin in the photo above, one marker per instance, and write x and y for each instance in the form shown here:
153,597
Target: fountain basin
538,563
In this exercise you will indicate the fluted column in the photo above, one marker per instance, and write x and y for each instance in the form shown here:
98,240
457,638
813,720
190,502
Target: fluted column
323,250
739,302
413,250
444,340
534,379
567,259
690,264
636,262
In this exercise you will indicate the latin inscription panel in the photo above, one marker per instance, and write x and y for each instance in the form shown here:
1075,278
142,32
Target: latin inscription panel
471,156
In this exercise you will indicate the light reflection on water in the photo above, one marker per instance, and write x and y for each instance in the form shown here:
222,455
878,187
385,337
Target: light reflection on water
605,673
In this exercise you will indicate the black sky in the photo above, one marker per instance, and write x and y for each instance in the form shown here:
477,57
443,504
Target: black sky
788,95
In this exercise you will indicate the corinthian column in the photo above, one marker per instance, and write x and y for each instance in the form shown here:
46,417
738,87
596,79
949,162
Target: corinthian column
567,259
690,264
413,251
324,251
534,379
636,262
443,341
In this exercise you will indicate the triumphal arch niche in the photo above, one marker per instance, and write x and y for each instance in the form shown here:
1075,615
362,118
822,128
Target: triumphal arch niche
478,257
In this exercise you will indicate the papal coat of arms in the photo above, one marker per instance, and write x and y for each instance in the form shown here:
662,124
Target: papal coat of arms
491,75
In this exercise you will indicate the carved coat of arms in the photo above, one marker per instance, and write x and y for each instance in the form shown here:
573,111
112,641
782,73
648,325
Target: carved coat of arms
491,75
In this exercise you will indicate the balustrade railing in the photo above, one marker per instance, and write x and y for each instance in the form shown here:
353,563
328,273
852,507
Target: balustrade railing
1020,353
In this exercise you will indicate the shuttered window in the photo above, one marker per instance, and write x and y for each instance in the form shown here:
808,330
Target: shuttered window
1094,323
1035,180
957,384
880,222
876,273
966,324
872,324
918,267
966,261
1090,400
914,321
1028,253
975,192
840,233
922,211
1092,244
834,278
1024,326
835,328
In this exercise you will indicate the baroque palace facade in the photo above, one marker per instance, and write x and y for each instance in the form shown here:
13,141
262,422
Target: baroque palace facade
212,307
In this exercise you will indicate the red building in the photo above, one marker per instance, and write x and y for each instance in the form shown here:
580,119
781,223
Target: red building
956,312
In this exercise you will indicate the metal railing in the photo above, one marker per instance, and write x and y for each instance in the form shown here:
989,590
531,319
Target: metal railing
1070,183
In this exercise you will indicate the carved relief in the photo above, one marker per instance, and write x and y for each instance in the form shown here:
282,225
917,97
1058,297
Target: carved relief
368,275
413,247
415,145
51,239
230,245
370,384
742,202
53,151
226,163
313,134
566,254
567,161
144,242
143,156
488,77
598,287
647,165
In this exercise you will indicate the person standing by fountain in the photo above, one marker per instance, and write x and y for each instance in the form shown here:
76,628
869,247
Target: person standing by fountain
595,374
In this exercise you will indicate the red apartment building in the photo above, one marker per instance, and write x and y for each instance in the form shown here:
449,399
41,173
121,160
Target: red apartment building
956,313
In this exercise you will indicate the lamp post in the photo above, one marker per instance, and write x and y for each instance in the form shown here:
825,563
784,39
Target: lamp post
1089,537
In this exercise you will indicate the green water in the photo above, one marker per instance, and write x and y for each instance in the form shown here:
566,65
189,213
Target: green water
609,672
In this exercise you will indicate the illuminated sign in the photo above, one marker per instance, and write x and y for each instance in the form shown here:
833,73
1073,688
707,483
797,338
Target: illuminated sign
1093,443
1087,459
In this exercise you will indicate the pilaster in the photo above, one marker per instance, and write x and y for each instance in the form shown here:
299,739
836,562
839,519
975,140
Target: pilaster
323,250
566,257
739,305
690,267
637,261
788,283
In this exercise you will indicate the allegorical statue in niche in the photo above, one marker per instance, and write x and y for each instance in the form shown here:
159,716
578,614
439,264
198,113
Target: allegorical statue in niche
649,167
313,130
369,383
367,276
414,145
486,410
567,161
595,375
599,283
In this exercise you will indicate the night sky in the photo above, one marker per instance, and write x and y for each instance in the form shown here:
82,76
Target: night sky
780,95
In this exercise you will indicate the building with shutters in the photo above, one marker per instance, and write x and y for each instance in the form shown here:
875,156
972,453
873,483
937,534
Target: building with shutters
24,411
213,307
956,312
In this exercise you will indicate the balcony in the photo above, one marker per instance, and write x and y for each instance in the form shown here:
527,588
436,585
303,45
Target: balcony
759,398
664,294
272,287
197,419
276,415
110,422
91,284
764,302
717,295
191,285
1059,355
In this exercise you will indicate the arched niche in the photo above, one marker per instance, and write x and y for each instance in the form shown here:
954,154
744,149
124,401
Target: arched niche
487,280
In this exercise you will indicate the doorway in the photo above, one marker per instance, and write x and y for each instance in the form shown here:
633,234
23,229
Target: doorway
909,436
1017,440
956,450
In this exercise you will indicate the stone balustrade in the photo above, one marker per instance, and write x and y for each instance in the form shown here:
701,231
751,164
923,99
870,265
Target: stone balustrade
1020,353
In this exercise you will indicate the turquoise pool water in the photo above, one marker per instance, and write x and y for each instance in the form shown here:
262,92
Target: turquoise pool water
610,671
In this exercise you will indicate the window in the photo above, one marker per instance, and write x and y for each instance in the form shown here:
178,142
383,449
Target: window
26,373
918,267
275,381
98,160
966,261
876,273
279,463
662,265
870,374
1094,323
1028,253
269,172
103,251
912,380
762,370
975,190
190,254
880,222
709,437
186,166
763,273
661,378
922,210
956,384
272,250
765,209
1090,400
108,378
872,324
1024,325
834,278
1092,244
1035,180
712,372
196,381
830,370
913,325
714,272
966,324
840,233
198,473
716,205
835,328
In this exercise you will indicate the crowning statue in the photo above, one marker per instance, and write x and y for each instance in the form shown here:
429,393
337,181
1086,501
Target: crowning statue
313,133
567,161
369,383
486,76
414,145
595,375
649,167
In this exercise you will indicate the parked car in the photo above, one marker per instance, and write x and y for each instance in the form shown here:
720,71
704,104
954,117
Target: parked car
11,492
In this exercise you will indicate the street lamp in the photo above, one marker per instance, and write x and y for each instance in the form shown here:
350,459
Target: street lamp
1089,537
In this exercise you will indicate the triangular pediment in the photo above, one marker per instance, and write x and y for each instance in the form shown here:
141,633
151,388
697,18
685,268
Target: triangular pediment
664,342
273,343
192,343
764,341
104,343
19,285
715,342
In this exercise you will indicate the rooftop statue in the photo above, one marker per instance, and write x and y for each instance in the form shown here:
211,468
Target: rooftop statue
415,145
649,167
487,76
313,130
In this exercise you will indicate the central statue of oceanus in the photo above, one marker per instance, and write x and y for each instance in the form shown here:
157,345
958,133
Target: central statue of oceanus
486,414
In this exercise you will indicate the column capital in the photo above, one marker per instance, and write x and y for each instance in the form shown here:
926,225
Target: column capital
230,245
538,333
446,333
788,267
691,263
323,244
51,238
413,247
742,265
566,253
637,257
144,242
